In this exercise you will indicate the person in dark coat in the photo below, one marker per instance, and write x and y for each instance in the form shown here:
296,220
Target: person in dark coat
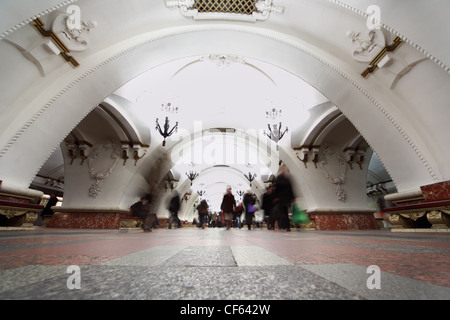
249,204
237,215
267,207
228,206
174,207
283,197
138,209
141,209
202,209
150,219
48,211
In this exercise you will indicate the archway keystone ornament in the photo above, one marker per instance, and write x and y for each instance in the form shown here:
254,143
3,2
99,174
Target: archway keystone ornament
105,158
240,10
334,166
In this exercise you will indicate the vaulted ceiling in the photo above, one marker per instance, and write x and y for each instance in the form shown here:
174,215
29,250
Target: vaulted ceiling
227,72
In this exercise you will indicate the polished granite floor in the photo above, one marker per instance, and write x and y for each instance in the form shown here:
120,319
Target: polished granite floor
218,264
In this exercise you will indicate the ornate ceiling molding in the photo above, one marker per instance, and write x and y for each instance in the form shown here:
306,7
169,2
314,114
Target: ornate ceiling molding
39,15
190,8
393,31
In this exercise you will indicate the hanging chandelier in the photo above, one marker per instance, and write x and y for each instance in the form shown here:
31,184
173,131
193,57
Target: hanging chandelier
192,175
250,177
275,133
201,193
167,132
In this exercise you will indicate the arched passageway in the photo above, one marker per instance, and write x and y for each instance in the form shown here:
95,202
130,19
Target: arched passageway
102,112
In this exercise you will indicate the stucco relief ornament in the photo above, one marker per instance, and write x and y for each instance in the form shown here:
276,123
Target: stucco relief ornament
263,9
10,213
76,39
331,160
366,46
222,60
104,157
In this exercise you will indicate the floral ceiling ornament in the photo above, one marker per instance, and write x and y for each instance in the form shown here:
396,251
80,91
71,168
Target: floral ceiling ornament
223,60
273,113
169,107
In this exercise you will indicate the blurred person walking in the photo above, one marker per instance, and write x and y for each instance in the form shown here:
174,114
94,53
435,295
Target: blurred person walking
283,197
237,215
174,207
267,206
249,205
202,209
228,206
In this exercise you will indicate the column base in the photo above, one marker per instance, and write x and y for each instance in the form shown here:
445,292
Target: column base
18,207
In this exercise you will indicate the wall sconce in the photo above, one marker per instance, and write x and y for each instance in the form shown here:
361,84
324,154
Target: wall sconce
85,148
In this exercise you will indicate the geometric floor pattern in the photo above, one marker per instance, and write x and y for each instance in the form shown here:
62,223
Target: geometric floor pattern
218,264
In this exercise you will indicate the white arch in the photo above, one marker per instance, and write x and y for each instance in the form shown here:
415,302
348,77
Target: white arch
339,87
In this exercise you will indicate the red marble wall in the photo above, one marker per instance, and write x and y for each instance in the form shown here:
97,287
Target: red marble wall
437,191
344,221
14,199
86,220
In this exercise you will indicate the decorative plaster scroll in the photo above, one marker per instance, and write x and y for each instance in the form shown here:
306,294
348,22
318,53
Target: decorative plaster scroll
399,222
366,47
413,215
395,32
372,49
11,213
440,219
328,160
75,39
30,219
106,157
60,39
222,60
263,10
